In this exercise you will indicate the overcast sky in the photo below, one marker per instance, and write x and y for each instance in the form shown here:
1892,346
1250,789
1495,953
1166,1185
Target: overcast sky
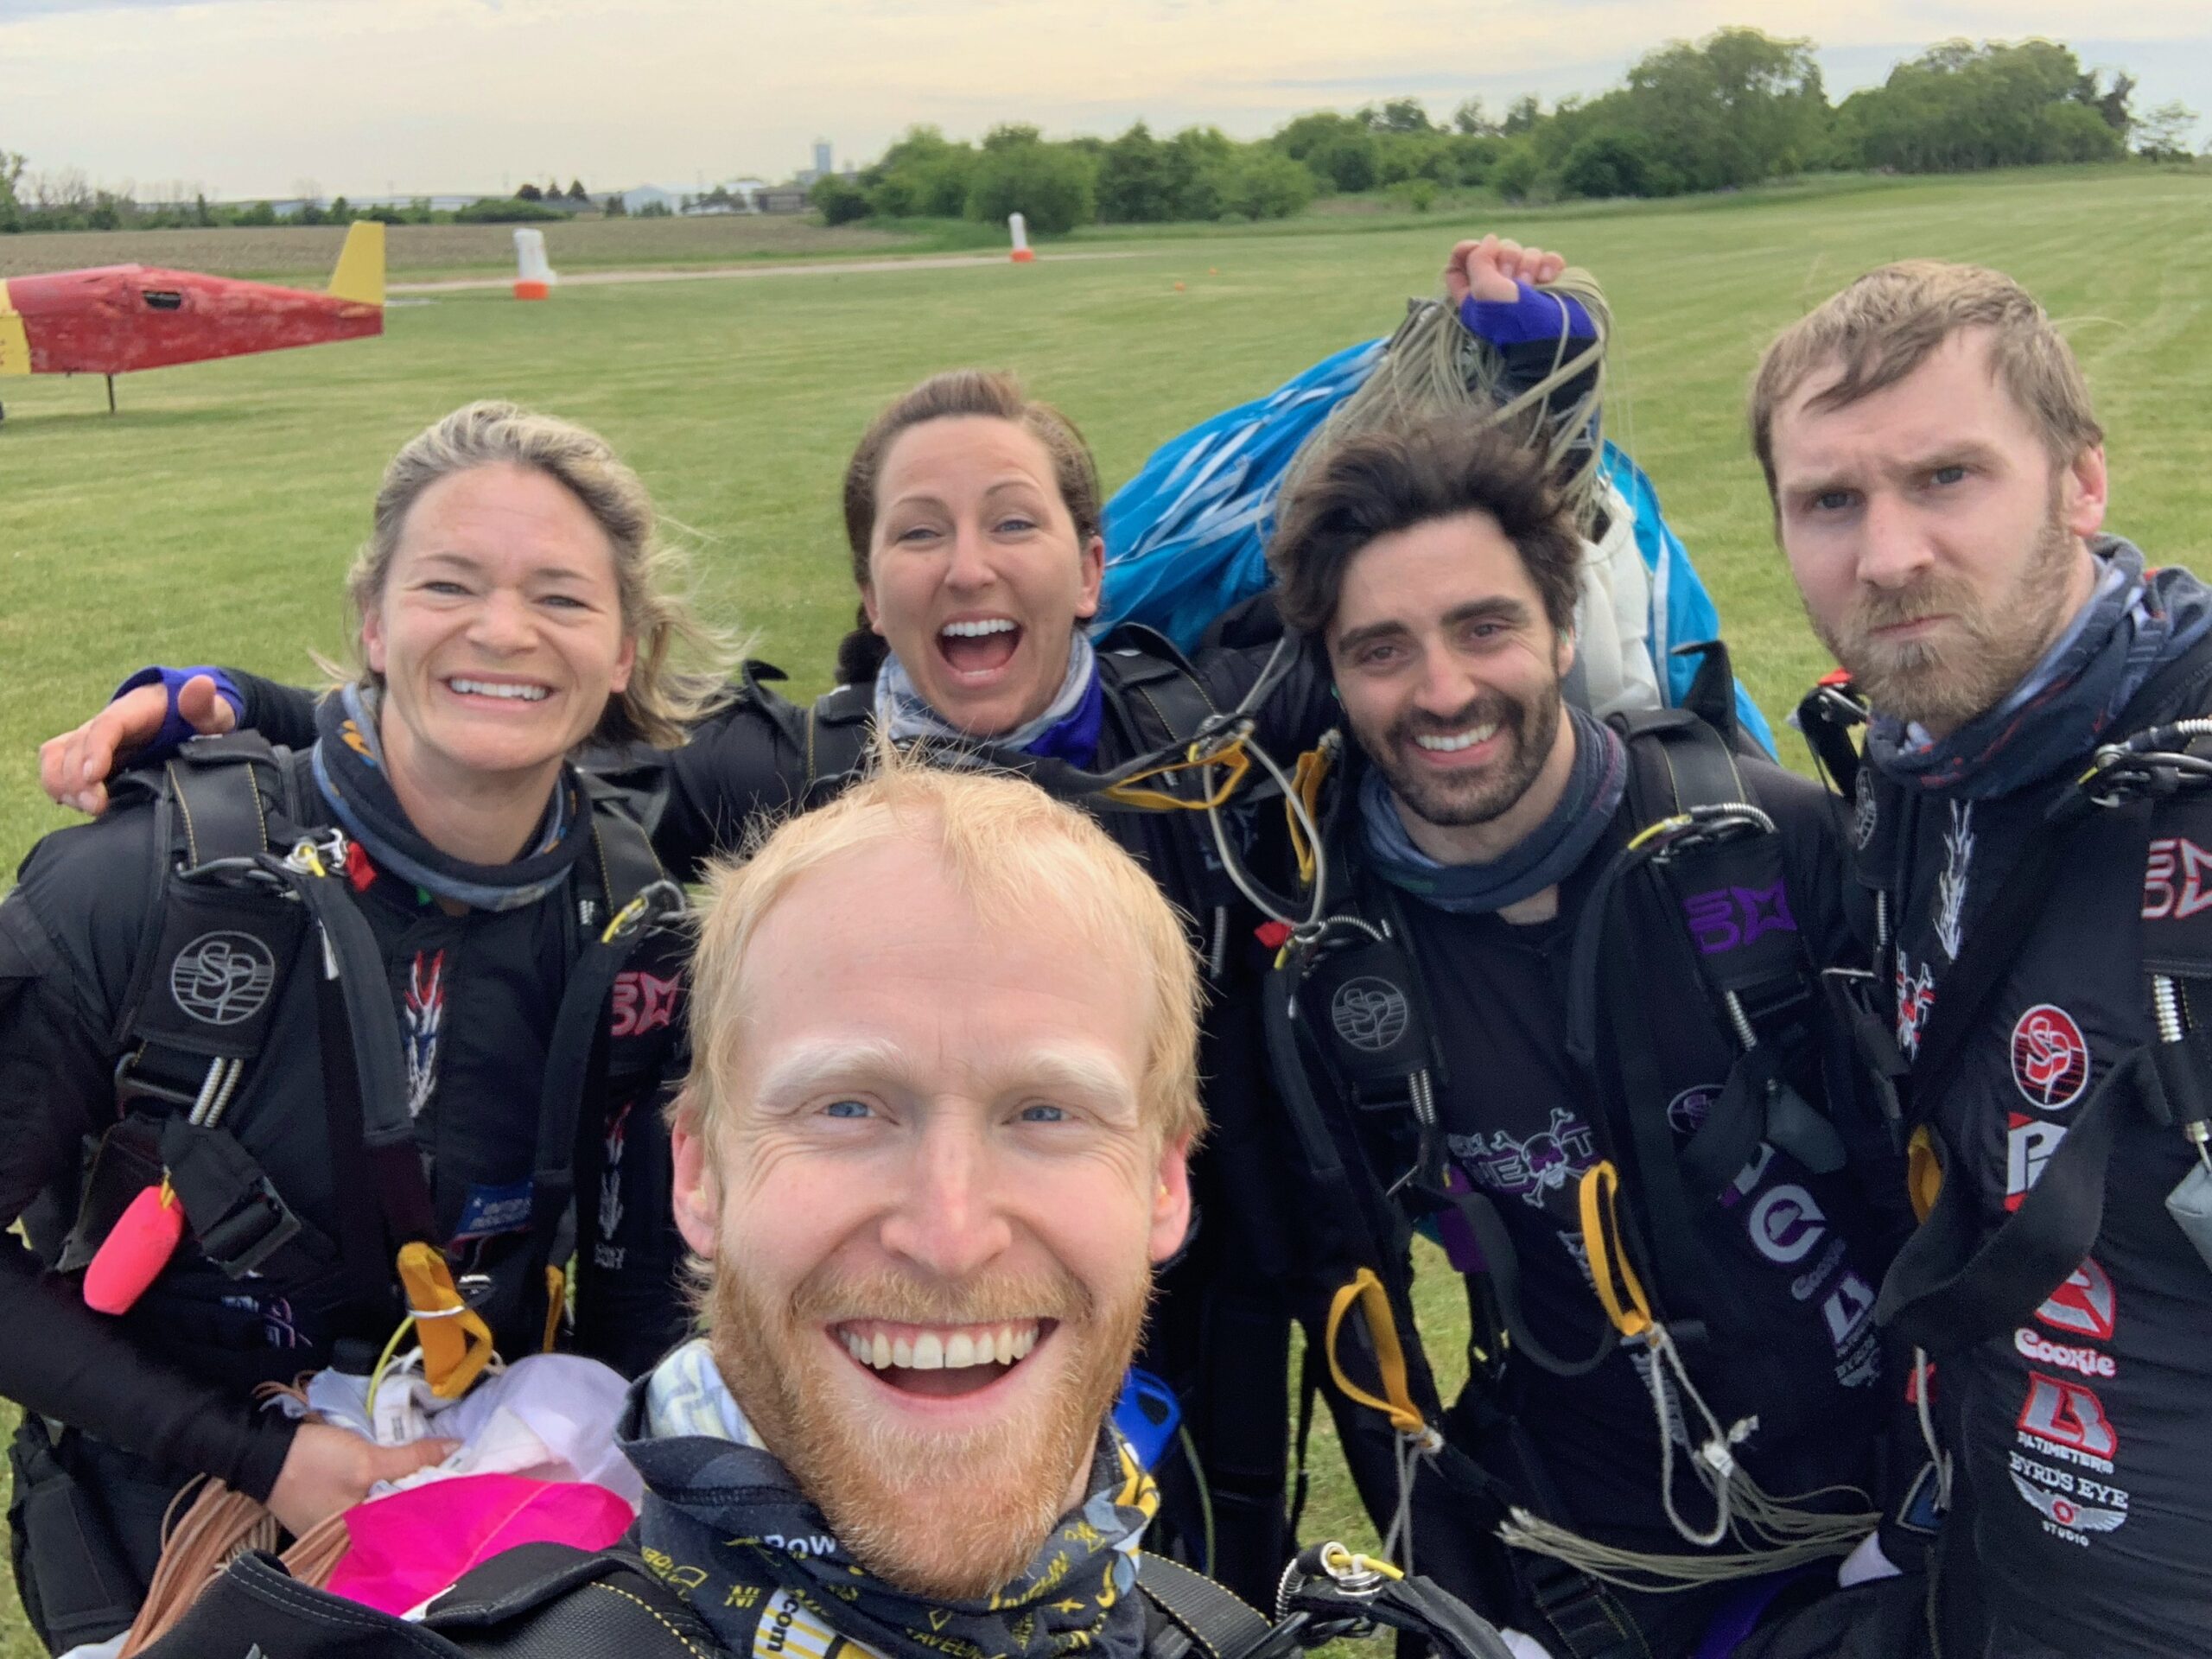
251,97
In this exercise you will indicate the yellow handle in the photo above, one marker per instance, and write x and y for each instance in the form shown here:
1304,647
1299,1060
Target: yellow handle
456,1343
1365,1291
1923,1171
1626,1306
1305,781
1231,758
557,1304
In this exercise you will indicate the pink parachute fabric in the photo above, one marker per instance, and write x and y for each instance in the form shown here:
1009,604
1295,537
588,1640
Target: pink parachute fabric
409,1546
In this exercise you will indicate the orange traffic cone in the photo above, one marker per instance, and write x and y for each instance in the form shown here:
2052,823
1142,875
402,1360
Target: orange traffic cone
533,272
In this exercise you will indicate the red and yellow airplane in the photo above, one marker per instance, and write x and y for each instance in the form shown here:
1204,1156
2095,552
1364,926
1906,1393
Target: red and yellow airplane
116,319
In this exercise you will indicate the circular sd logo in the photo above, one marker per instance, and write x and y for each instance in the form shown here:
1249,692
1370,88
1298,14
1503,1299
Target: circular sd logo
1369,1014
223,978
2050,1058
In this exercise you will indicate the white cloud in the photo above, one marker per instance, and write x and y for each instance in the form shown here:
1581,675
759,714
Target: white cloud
247,97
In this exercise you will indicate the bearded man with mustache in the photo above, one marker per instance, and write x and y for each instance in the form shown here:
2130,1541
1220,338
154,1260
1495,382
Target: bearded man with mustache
927,1157
1939,485
1469,845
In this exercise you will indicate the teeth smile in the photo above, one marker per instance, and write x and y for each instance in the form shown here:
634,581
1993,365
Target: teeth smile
977,630
499,689
1459,740
952,1351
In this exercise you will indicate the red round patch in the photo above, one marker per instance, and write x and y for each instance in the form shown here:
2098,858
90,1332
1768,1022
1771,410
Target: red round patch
2050,1058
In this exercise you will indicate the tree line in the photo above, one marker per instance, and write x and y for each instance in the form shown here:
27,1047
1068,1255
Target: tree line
66,201
1739,107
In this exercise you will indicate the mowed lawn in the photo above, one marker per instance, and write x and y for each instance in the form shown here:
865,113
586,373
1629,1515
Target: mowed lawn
213,518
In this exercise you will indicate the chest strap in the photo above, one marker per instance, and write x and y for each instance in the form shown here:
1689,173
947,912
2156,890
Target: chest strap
1957,1283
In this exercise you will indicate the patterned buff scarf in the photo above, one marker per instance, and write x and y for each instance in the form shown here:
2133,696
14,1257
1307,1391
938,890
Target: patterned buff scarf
2133,625
724,1522
349,770
1066,731
1544,858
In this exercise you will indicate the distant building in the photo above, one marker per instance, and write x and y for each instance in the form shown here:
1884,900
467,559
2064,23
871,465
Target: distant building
651,195
823,165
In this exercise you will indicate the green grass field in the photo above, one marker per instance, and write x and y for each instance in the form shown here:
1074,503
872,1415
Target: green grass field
213,517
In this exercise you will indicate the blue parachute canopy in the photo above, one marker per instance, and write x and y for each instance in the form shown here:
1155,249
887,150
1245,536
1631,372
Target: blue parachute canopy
1186,537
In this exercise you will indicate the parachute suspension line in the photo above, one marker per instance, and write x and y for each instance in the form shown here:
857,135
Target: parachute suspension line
1771,1534
1303,827
1415,1438
1433,362
1938,1458
1714,1465
1398,1542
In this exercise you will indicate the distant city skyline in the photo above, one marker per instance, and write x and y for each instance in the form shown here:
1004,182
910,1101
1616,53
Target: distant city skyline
249,99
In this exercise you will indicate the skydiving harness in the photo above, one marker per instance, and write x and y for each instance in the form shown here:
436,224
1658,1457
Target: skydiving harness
1347,981
1202,757
560,1602
1956,1284
235,908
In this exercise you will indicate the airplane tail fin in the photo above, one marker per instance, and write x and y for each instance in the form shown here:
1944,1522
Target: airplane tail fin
359,275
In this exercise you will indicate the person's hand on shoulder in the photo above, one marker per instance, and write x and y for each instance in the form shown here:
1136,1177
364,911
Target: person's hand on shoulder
74,767
1492,269
330,1469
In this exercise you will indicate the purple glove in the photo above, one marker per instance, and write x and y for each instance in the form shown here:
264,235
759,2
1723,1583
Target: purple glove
175,729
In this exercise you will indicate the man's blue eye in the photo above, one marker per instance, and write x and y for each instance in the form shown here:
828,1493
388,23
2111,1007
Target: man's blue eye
1949,474
1040,1112
847,1109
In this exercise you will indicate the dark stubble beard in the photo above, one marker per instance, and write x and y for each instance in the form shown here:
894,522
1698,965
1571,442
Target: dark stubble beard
1532,730
949,1516
1944,686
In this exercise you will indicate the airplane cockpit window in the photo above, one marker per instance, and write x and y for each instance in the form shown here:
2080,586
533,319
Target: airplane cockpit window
163,299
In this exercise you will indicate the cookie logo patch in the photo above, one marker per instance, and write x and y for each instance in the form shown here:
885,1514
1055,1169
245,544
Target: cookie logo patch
1369,1014
2050,1058
223,978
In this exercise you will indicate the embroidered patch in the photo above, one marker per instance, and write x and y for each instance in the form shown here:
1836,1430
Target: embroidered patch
488,1209
1864,811
2084,1306
1727,919
2174,886
2050,1058
2028,1146
1951,885
615,1142
223,978
424,1017
1916,1001
1369,1014
1686,1112
643,1003
1543,1163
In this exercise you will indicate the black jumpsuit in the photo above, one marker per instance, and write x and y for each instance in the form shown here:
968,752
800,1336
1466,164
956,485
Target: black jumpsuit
130,1408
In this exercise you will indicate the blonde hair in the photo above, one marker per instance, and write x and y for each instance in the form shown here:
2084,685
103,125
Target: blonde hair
1886,325
1013,851
662,698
